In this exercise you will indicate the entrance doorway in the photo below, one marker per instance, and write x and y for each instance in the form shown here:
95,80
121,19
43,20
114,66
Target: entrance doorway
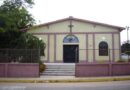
70,53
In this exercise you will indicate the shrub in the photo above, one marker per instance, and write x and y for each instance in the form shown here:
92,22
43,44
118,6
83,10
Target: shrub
42,67
122,61
129,60
101,61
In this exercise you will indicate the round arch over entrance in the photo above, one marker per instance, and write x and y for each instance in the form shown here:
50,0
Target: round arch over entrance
70,49
70,39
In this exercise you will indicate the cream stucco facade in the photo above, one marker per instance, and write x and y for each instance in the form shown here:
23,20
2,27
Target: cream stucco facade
89,34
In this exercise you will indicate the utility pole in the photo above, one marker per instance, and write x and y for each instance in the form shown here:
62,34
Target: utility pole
127,28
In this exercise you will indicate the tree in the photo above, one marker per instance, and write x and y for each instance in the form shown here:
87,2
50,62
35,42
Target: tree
32,42
14,19
14,15
125,48
16,44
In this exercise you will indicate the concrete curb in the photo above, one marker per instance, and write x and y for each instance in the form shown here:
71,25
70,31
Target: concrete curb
75,80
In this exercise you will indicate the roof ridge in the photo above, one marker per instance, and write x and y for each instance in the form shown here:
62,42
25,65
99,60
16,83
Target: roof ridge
82,20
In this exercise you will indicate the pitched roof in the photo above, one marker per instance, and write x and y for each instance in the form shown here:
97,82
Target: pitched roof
80,20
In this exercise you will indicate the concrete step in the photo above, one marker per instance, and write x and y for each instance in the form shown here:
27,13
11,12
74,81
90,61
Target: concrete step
59,66
55,74
59,70
59,74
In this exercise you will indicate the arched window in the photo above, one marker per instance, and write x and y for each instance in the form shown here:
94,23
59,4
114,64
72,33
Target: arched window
70,39
103,49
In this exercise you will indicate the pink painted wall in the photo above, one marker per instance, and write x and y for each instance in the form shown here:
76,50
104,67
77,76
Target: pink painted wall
83,70
121,69
19,70
96,69
2,70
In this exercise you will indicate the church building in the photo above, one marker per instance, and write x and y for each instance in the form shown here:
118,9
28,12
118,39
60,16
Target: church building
73,40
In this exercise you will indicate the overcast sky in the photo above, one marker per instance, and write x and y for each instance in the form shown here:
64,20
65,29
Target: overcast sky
115,12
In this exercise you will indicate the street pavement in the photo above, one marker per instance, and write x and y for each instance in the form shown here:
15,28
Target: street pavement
113,85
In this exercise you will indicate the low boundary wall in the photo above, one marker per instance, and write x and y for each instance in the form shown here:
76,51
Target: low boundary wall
19,70
96,69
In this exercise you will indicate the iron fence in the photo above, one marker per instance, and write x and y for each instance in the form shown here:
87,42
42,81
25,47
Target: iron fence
19,55
96,55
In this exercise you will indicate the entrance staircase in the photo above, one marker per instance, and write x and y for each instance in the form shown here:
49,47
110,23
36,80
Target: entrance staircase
59,69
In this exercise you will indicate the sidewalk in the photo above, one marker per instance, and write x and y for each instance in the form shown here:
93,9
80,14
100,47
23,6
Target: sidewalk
63,79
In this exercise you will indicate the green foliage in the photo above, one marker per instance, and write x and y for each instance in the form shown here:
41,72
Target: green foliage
122,61
21,40
42,67
32,42
14,15
14,18
20,47
125,48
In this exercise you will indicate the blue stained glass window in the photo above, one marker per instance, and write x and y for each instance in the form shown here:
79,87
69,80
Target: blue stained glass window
70,39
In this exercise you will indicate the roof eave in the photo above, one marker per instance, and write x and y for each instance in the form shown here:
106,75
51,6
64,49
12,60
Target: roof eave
82,20
98,23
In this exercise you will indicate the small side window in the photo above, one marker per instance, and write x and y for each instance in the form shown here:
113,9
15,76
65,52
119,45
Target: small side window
103,49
